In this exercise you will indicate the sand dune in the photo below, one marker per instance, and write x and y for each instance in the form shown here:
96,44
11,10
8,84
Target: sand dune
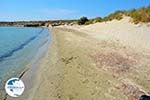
123,30
95,62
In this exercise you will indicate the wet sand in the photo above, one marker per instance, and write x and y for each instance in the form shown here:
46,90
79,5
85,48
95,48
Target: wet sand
94,62
80,67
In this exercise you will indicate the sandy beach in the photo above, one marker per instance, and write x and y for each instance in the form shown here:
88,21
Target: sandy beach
75,50
95,62
135,35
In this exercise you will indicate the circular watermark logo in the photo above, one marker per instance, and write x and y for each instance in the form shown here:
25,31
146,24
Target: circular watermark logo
14,87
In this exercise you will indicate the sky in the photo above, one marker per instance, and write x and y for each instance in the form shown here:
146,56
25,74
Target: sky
27,10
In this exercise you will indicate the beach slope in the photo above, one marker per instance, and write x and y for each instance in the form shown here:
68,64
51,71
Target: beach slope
83,64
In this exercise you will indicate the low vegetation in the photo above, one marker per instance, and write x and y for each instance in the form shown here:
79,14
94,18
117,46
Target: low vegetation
83,20
141,15
138,15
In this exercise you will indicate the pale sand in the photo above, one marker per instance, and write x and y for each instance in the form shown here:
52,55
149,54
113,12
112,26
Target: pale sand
123,30
95,62
80,67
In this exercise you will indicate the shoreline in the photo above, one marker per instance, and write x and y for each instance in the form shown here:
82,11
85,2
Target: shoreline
48,61
84,65
28,75
71,69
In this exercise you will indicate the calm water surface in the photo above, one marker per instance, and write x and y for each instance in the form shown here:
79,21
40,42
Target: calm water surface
18,47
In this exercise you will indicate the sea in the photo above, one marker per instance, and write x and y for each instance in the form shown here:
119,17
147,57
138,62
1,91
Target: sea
19,47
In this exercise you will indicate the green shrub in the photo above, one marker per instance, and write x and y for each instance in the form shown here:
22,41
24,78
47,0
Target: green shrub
89,22
82,20
138,15
118,15
98,19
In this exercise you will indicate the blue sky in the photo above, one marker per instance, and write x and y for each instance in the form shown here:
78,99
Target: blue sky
17,10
